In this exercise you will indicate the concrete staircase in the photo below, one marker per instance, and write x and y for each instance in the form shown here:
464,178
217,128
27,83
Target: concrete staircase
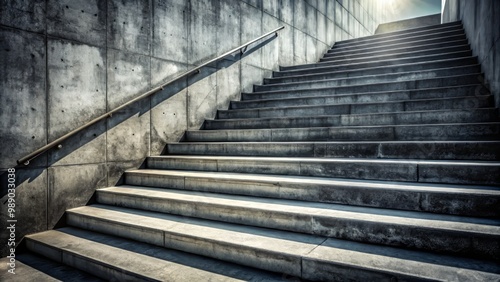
380,162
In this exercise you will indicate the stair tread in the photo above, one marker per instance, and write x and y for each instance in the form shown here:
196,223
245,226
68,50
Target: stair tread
353,115
374,76
369,84
292,179
144,261
395,52
375,68
411,38
292,245
294,208
403,50
361,103
414,41
313,66
352,127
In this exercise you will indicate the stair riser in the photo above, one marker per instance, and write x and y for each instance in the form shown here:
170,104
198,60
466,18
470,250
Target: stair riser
259,258
412,32
283,101
357,120
376,71
414,150
413,237
413,200
465,80
74,260
371,79
398,44
409,172
422,50
366,63
465,103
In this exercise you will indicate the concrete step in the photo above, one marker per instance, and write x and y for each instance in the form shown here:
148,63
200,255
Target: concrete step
32,267
305,256
419,84
433,36
118,259
396,118
281,99
401,52
362,63
406,32
398,44
403,68
323,82
413,230
476,201
424,132
368,169
420,50
459,103
430,150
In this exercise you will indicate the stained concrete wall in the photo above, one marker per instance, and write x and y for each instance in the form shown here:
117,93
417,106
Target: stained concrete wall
481,21
65,62
409,23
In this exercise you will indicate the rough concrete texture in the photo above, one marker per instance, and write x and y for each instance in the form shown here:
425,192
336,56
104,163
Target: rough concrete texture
69,61
481,21
409,23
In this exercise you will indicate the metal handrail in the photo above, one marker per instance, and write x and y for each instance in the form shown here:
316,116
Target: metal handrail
26,159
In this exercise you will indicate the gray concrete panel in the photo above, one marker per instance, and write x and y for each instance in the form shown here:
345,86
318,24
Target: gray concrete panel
271,49
168,107
72,186
31,203
299,47
228,84
311,21
300,16
286,47
202,97
228,27
22,84
203,23
128,77
170,29
286,11
129,25
127,137
83,21
77,85
23,14
251,28
271,7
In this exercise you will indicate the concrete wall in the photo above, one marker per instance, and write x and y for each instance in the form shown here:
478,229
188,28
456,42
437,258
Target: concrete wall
65,62
409,23
481,21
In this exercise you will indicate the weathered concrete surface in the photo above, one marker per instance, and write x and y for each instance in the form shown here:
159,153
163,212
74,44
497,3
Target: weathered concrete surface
72,186
31,205
98,54
23,94
83,21
409,23
481,22
24,14
129,25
